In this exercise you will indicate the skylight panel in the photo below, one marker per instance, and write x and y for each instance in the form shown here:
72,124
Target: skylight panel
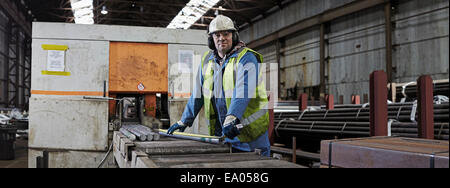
83,11
192,12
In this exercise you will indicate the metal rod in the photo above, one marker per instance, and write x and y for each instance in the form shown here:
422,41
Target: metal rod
128,134
350,133
294,149
142,130
200,139
359,133
141,136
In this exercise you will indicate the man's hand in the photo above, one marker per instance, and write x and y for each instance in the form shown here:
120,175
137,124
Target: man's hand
231,127
177,126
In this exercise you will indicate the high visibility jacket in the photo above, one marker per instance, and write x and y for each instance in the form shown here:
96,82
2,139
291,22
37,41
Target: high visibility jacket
256,116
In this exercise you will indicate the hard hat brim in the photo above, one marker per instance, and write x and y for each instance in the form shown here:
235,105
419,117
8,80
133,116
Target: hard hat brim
232,30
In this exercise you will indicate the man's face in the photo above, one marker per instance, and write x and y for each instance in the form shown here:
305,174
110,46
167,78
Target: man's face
223,41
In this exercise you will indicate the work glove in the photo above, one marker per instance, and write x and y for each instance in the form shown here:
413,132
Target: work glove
231,127
177,126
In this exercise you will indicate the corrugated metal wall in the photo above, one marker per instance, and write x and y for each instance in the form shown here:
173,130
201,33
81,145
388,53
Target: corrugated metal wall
356,45
294,12
421,39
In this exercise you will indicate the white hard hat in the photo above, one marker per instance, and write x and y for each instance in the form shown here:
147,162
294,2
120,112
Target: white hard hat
221,23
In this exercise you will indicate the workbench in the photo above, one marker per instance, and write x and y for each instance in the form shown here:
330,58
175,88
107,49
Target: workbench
178,153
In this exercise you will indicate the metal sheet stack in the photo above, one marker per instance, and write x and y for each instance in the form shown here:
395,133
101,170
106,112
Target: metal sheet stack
139,132
350,121
384,152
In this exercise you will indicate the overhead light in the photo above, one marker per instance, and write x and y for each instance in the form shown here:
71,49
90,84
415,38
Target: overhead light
83,11
192,12
104,11
217,10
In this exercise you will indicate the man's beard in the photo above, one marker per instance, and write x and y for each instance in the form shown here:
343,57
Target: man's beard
225,51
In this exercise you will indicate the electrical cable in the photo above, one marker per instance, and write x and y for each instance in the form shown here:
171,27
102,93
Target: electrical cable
120,126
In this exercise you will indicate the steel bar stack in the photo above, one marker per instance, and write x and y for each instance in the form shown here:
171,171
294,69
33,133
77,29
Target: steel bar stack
171,152
352,121
400,113
139,132
410,90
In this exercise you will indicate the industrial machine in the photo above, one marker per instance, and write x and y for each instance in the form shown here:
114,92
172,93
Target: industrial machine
87,80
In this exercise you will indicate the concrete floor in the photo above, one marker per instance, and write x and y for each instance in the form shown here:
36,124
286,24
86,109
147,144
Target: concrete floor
21,156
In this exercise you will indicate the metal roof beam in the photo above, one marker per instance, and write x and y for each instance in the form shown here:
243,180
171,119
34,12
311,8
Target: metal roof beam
16,16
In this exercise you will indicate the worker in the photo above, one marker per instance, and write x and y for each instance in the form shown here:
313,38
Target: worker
230,88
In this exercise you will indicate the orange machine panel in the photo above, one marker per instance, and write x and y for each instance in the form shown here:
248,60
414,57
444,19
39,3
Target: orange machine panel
138,68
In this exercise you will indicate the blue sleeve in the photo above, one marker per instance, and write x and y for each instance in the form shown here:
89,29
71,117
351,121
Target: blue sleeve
195,102
245,86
